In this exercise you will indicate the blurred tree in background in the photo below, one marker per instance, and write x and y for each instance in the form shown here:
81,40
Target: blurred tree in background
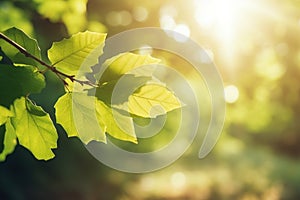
255,45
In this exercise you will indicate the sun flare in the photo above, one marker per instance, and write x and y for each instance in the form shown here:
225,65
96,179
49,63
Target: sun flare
227,22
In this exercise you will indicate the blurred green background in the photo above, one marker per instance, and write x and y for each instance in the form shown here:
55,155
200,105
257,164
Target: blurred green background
255,45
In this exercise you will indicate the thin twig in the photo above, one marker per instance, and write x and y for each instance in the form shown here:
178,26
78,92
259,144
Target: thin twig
52,68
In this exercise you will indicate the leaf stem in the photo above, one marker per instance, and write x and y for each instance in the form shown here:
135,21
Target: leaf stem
50,67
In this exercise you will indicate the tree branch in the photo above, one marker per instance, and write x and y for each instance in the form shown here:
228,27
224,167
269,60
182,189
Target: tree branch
52,68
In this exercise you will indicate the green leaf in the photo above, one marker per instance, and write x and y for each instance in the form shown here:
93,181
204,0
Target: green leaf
4,114
17,81
28,43
152,100
64,114
68,107
10,140
34,129
116,124
78,105
81,51
125,63
4,59
128,82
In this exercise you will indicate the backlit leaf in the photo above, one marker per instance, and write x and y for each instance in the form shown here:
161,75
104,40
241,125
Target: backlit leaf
10,140
68,107
34,129
81,51
4,114
28,43
152,100
117,125
125,63
128,82
79,107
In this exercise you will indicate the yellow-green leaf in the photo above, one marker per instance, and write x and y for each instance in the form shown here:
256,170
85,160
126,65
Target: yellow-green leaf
125,63
67,107
116,124
77,109
4,114
23,40
152,100
127,83
10,140
81,51
34,129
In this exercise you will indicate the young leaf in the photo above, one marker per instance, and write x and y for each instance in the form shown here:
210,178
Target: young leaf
67,107
152,100
10,140
17,81
4,114
117,125
34,129
124,63
28,43
81,50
